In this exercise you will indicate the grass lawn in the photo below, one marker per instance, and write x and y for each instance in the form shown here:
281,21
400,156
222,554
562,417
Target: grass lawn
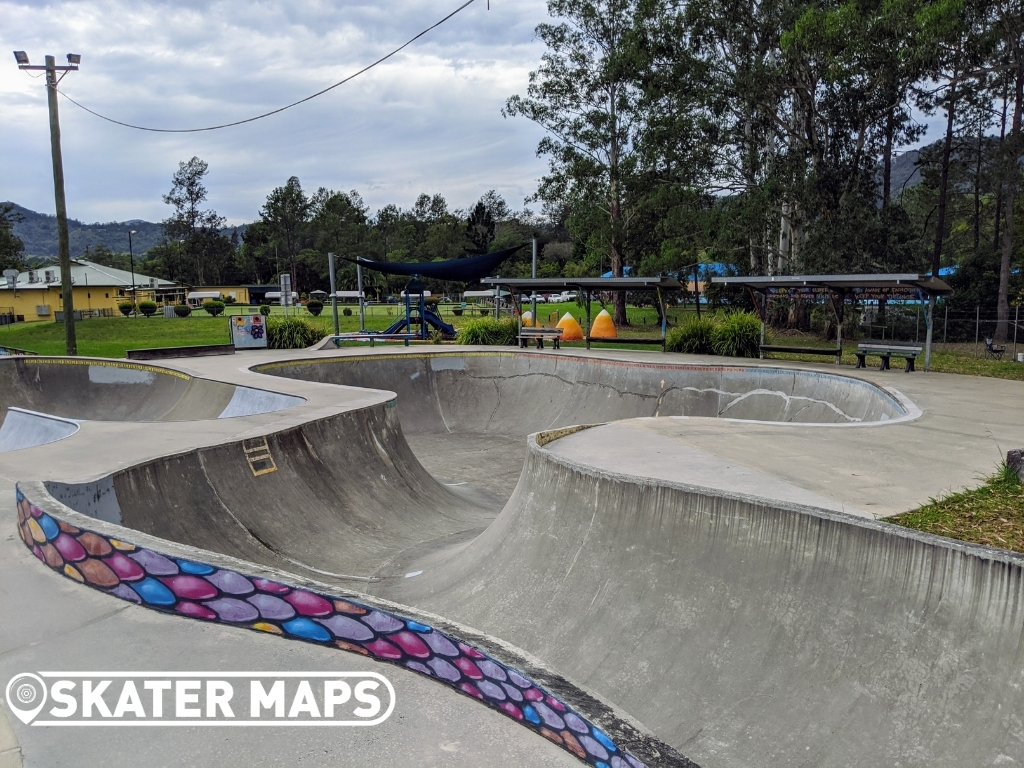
992,514
113,336
946,358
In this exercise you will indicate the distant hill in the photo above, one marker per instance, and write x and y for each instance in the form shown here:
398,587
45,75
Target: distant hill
905,173
39,233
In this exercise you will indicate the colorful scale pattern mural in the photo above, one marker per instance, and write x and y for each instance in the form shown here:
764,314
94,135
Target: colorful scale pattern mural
204,592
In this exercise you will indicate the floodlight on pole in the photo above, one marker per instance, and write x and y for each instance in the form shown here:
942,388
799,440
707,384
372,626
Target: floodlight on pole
63,247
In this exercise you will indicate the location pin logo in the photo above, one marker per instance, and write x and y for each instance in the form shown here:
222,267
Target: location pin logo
26,695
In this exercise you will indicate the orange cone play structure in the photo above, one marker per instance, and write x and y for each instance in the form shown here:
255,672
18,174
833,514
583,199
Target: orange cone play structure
571,330
528,319
603,327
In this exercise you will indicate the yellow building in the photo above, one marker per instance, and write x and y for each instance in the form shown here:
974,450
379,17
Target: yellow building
97,290
236,293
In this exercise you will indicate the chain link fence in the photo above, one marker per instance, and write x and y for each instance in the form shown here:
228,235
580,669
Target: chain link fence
956,329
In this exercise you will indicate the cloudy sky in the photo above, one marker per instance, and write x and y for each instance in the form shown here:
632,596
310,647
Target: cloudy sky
428,120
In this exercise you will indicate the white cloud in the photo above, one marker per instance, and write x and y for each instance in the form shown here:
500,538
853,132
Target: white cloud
427,120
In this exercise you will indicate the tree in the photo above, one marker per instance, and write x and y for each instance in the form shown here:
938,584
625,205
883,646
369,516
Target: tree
195,228
12,250
1010,27
585,97
480,227
285,214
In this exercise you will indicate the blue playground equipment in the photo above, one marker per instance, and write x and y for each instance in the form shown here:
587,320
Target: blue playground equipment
419,314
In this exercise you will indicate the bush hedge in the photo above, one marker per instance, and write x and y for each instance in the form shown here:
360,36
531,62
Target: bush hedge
314,307
738,335
489,331
126,308
148,308
733,335
694,337
292,333
182,310
213,308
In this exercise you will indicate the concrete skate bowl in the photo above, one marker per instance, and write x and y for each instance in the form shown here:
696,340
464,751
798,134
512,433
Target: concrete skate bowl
43,398
467,415
746,632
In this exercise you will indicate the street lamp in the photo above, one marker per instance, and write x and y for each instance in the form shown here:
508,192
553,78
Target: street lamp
131,255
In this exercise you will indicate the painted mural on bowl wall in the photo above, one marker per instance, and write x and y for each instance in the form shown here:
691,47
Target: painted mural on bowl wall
207,593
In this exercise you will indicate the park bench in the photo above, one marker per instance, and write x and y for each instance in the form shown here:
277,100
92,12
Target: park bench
795,350
994,351
374,337
538,335
883,350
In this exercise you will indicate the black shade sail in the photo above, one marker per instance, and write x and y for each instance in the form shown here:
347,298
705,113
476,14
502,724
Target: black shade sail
467,270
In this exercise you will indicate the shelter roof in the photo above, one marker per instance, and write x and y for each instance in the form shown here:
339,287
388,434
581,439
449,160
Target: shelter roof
841,283
585,283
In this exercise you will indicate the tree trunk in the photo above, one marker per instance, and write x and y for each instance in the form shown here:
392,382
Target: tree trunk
977,195
947,151
615,252
887,159
1013,175
999,172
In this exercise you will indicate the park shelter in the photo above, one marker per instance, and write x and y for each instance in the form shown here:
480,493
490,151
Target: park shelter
838,289
587,287
97,290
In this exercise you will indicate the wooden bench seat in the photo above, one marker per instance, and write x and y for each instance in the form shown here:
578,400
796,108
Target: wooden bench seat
908,352
372,337
526,334
795,350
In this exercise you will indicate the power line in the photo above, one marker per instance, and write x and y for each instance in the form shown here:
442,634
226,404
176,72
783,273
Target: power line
367,68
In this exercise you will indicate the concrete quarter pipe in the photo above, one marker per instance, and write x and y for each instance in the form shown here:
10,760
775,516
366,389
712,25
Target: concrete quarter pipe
738,629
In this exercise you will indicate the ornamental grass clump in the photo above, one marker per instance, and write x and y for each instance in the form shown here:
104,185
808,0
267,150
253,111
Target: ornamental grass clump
292,333
737,335
489,331
694,337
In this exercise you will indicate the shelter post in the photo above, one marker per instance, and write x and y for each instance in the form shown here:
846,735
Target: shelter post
533,303
334,293
362,311
759,310
587,332
928,333
664,318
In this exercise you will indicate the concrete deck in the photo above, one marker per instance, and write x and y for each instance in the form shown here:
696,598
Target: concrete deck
874,470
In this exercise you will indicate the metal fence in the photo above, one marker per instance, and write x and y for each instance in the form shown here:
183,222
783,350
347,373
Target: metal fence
954,327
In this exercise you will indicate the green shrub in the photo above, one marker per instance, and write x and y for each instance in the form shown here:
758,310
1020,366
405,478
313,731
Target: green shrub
489,331
314,307
213,308
695,336
737,335
264,309
182,310
148,308
292,333
126,308
346,312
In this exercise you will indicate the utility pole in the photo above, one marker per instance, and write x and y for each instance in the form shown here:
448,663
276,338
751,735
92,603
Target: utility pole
63,248
131,255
